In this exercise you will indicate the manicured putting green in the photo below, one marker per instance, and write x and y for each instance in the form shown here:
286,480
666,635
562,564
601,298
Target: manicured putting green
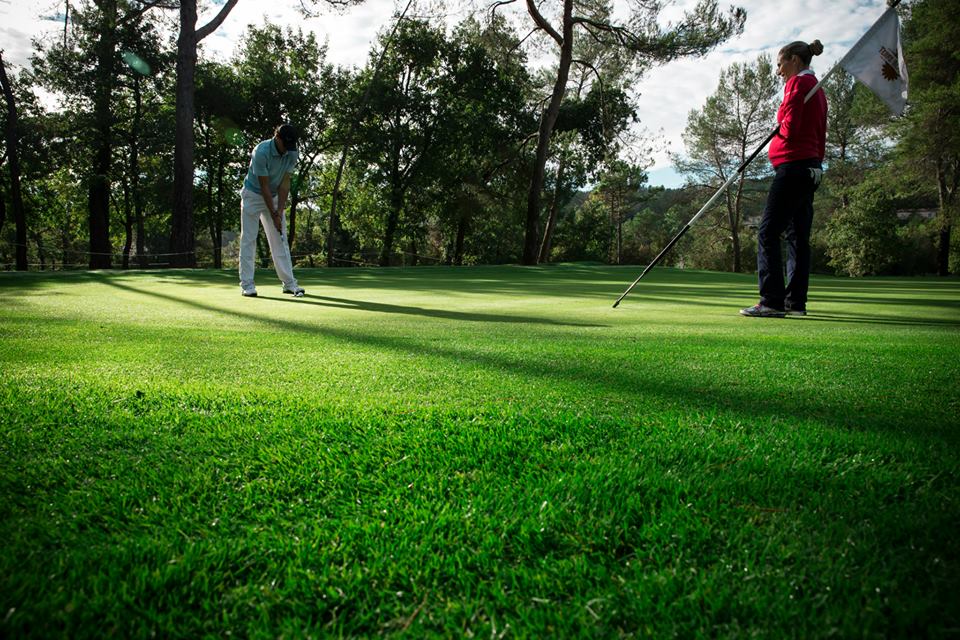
476,452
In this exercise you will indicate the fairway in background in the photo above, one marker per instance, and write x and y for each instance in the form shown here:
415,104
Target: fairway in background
485,451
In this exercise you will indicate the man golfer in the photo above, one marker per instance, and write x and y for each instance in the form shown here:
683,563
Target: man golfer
263,200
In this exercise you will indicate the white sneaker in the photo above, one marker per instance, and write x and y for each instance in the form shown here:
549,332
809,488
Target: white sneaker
296,290
249,293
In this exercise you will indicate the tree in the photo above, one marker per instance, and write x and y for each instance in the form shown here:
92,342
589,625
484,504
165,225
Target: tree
589,126
858,136
620,187
720,136
222,109
40,152
862,235
858,141
436,123
395,140
598,225
641,37
99,190
182,240
114,22
570,167
347,136
140,123
293,83
930,131
88,72
11,137
487,120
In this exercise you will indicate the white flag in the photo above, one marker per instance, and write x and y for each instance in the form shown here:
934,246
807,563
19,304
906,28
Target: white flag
877,61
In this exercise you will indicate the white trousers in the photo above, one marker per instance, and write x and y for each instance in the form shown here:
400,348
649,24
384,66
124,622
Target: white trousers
253,213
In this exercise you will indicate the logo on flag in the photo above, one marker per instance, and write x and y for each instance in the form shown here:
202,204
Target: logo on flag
876,62
889,68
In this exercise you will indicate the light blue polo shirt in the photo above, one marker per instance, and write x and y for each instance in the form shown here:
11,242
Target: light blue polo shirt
267,161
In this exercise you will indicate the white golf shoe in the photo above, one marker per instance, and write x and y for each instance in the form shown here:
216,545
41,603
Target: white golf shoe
296,291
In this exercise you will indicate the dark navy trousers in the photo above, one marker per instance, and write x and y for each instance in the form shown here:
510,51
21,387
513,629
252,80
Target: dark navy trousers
788,214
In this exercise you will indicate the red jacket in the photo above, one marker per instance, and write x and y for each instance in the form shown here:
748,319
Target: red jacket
803,127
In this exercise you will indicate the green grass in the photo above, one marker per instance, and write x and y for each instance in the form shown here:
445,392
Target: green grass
477,452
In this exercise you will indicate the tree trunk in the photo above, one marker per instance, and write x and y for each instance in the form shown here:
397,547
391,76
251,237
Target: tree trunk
334,225
393,221
547,122
943,250
142,260
300,180
461,238
98,195
218,241
98,205
619,229
613,207
182,242
65,240
547,245
138,205
128,239
211,177
134,170
946,197
292,219
41,254
734,217
292,224
16,197
211,220
396,205
127,225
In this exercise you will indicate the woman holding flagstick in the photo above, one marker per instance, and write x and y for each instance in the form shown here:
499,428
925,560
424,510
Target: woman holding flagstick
874,60
796,153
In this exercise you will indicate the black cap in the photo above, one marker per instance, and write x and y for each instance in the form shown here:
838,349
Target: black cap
289,134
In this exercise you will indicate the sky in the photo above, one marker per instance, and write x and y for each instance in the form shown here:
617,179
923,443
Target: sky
666,94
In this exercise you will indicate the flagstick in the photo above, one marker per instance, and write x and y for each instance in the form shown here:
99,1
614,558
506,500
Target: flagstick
891,4
743,166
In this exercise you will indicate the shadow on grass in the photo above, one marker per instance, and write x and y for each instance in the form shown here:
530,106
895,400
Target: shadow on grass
682,393
380,307
678,297
343,303
876,319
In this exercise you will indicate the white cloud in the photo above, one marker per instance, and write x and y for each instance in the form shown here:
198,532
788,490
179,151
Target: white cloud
20,22
349,34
